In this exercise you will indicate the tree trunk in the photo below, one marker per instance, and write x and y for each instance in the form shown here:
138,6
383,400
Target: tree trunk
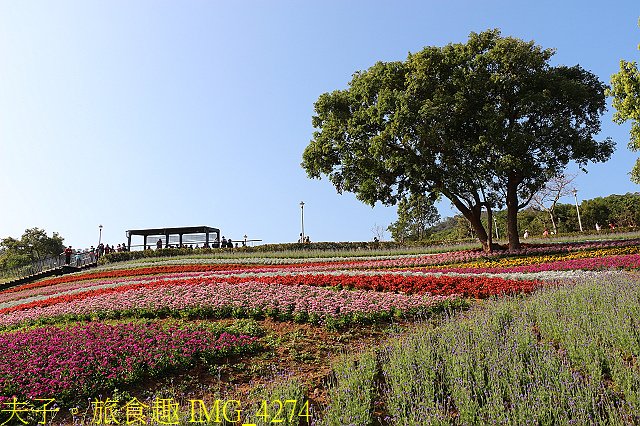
489,219
512,215
473,215
553,222
478,228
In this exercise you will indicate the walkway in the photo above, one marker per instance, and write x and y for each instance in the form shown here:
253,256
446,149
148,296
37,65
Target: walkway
49,267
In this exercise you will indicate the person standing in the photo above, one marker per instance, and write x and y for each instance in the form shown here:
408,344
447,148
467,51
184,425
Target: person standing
67,255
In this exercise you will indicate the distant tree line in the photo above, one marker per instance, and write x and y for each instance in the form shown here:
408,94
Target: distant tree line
622,211
33,245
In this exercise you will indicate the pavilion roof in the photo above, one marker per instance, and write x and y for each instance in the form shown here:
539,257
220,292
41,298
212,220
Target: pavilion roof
173,231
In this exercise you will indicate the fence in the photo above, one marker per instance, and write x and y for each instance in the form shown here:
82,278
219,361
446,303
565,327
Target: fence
77,260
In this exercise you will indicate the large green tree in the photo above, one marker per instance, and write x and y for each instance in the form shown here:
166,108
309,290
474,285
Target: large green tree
625,89
484,123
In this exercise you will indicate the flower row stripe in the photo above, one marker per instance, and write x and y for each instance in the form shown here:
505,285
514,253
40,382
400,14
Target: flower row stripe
477,287
225,300
631,261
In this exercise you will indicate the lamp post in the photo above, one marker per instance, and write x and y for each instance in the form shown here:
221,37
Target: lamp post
100,237
302,213
575,195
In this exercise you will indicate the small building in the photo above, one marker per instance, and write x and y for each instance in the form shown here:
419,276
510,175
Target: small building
205,235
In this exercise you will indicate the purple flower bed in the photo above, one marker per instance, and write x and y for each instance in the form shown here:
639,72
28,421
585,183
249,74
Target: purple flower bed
64,363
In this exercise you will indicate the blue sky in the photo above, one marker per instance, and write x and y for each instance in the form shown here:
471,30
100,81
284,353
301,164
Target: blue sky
136,114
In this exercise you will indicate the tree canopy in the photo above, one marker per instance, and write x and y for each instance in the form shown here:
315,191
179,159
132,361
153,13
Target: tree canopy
484,123
625,89
34,245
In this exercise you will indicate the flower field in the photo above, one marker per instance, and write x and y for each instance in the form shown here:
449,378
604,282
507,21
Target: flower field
127,325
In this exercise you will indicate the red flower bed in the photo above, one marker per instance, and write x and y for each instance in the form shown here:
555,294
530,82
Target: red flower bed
476,287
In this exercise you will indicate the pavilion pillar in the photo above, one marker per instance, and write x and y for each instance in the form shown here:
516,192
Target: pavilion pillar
166,241
128,241
180,241
144,245
206,239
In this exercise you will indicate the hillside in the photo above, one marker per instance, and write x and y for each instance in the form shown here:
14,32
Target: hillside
545,334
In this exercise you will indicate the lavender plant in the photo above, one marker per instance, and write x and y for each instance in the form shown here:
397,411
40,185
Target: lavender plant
565,356
352,393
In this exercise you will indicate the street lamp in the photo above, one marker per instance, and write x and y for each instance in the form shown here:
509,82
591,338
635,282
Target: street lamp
302,212
575,194
100,237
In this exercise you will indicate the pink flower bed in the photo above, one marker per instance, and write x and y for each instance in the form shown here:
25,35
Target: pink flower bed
220,298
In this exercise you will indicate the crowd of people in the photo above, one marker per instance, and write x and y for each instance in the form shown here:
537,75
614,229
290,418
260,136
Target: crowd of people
91,254
103,249
225,243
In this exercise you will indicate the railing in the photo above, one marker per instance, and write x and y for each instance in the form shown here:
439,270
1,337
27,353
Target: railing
82,259
77,260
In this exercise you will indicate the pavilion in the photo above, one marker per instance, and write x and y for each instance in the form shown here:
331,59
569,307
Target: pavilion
197,234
